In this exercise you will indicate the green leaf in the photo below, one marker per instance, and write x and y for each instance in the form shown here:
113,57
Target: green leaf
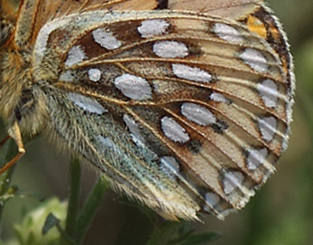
50,222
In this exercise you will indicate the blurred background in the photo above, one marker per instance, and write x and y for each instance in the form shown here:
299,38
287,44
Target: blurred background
280,214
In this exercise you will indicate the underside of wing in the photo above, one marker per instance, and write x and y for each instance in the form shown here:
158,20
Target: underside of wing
187,112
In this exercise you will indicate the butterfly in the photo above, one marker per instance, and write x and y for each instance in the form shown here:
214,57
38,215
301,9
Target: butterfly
182,105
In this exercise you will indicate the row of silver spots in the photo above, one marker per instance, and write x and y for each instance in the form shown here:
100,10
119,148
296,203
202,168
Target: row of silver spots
173,49
267,89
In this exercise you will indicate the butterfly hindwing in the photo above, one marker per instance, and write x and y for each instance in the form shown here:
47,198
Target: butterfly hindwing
174,91
184,106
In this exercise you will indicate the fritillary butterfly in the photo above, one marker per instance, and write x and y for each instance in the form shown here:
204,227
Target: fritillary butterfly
183,105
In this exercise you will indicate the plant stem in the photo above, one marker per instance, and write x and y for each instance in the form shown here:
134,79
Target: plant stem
89,210
73,202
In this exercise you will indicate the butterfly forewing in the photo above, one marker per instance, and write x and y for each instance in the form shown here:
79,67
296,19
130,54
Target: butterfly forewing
184,108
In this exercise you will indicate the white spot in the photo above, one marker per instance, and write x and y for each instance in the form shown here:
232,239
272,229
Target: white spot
87,103
289,109
268,127
191,73
94,74
256,158
170,49
133,87
217,97
228,33
169,166
255,59
269,92
106,39
150,28
134,131
212,200
226,212
285,142
198,114
105,141
232,180
75,55
266,176
173,130
107,144
67,76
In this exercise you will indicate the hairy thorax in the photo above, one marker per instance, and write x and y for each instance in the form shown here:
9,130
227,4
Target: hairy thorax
20,98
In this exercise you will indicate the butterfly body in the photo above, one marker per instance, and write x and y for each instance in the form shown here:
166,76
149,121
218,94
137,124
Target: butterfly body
183,108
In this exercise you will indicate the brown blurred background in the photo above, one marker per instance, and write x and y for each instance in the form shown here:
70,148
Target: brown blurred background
280,214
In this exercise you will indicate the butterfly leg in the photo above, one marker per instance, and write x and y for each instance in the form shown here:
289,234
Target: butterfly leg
15,134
